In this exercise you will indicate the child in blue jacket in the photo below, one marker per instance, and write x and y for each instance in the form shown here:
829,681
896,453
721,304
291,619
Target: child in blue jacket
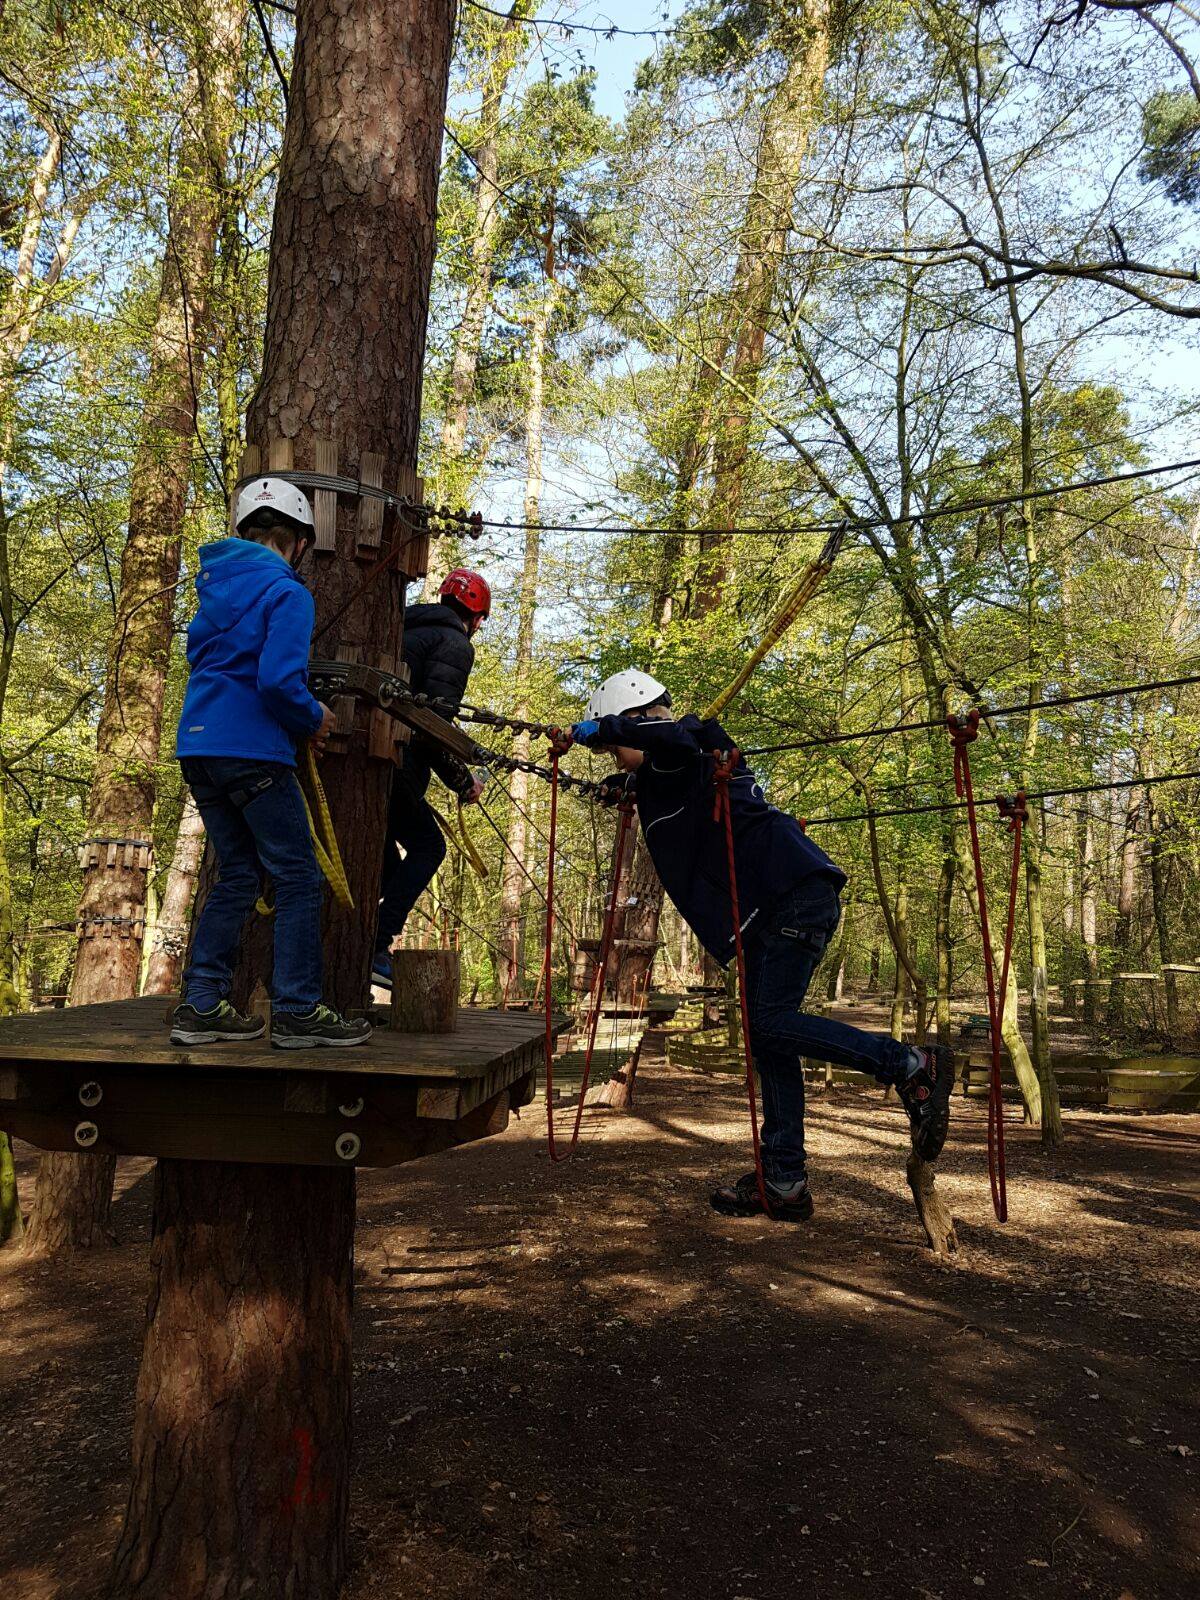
246,708
788,892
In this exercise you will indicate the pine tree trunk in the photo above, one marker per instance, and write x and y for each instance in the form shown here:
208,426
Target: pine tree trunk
1088,887
241,1438
242,1427
170,933
121,799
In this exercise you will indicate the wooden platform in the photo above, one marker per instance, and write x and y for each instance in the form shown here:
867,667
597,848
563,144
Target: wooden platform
105,1078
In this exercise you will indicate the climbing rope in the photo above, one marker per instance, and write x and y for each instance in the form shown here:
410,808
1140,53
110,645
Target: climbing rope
722,811
325,844
963,732
558,747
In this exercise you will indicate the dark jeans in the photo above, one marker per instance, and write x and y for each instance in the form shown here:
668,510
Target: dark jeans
781,957
413,826
254,814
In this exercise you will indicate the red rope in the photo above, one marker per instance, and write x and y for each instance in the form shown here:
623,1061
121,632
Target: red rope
557,748
963,731
722,809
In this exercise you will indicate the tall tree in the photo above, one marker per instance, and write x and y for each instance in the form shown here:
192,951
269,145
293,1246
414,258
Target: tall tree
241,1468
74,1192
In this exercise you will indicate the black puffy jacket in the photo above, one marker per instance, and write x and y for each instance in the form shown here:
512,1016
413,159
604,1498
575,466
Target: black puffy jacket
674,790
439,655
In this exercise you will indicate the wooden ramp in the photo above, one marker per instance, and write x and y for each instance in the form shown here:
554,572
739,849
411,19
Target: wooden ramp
105,1078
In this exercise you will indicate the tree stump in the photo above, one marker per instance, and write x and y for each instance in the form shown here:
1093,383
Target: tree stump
931,1208
425,989
241,1439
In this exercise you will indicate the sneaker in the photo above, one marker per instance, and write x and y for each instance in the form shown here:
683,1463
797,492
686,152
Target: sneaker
189,1026
790,1202
316,1028
926,1096
381,971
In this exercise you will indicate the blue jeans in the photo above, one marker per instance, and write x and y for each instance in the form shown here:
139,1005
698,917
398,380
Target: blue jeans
254,814
413,826
781,957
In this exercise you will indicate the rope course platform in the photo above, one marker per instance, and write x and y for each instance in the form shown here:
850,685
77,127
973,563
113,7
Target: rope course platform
105,1079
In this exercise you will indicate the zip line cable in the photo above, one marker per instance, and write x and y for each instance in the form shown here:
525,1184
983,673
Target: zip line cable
985,712
850,524
1030,794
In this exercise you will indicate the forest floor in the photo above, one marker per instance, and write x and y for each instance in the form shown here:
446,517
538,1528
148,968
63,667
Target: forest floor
580,1381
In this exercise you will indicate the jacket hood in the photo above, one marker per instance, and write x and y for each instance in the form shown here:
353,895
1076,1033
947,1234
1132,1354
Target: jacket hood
234,576
434,616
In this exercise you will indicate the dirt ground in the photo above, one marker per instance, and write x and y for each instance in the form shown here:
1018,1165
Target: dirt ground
580,1381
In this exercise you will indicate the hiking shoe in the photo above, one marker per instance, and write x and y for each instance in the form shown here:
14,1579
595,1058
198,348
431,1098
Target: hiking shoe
926,1097
790,1202
381,971
316,1028
189,1026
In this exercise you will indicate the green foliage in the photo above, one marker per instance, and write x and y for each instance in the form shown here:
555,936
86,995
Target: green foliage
1171,130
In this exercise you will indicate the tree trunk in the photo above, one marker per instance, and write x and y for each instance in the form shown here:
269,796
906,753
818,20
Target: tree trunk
1115,1017
502,45
171,930
1088,887
900,991
12,1224
242,1426
1162,926
513,879
241,1436
121,799
803,37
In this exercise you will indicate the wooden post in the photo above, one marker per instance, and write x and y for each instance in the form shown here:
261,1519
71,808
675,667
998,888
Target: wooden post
242,1426
425,989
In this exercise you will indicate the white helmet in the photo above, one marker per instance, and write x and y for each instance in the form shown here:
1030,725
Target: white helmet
626,691
273,494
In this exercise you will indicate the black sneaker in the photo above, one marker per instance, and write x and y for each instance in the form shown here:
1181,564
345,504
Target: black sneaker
320,1026
381,971
926,1097
790,1202
189,1026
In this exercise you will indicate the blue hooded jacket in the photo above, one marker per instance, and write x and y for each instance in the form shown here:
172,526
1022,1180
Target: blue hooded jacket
247,647
772,854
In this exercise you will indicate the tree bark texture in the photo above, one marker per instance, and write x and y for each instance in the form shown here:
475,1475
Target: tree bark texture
348,296
121,798
242,1427
170,933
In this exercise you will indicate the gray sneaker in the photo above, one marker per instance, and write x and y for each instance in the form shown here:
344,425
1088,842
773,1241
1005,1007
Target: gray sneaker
320,1027
189,1026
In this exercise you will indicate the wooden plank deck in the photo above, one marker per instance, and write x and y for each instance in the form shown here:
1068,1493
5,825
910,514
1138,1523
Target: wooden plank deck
133,1033
105,1079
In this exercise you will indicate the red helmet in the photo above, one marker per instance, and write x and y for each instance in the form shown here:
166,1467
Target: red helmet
470,590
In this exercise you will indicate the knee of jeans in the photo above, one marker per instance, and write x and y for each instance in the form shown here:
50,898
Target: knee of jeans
239,879
299,872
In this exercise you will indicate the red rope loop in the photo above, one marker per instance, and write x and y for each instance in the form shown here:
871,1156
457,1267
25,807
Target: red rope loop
723,771
963,732
557,749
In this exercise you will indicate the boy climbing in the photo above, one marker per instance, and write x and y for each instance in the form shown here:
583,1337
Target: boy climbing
788,898
247,706
439,655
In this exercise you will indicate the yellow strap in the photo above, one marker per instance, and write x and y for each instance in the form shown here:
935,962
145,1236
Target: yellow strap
790,607
461,839
325,845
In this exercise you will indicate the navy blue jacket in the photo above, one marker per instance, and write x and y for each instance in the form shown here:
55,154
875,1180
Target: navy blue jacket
247,647
675,791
